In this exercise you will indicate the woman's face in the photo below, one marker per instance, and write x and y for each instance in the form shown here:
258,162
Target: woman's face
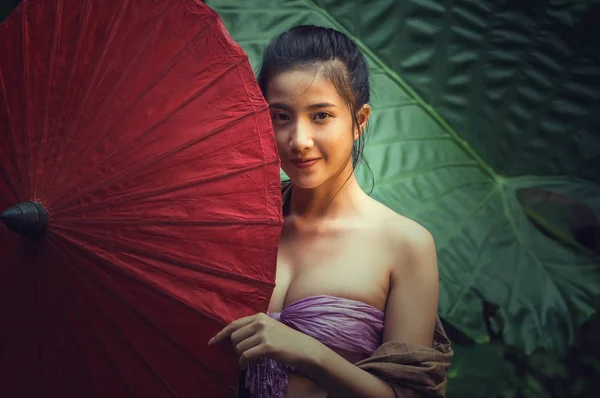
313,127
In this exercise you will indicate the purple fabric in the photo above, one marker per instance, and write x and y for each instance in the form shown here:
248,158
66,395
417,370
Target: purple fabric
339,323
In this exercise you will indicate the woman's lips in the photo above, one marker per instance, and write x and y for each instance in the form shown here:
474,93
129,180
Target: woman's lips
302,164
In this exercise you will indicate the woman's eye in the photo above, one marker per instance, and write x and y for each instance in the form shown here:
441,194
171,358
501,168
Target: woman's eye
280,116
321,115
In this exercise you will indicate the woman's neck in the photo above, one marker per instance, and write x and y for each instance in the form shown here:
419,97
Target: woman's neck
330,199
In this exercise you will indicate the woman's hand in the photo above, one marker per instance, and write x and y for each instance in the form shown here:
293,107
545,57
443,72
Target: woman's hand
257,336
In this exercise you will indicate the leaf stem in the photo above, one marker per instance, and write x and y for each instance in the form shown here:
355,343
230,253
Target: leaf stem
555,233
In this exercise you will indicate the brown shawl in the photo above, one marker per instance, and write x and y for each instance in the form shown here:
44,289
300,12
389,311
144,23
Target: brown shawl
413,366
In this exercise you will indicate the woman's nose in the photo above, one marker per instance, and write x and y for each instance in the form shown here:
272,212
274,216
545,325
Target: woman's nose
301,137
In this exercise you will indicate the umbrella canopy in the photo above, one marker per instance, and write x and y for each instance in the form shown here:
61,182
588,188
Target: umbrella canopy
139,181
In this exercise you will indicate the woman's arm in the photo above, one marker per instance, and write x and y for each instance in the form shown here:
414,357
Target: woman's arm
411,312
340,378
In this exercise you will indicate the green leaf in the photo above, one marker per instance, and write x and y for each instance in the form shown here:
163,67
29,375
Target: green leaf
549,365
479,371
6,7
474,102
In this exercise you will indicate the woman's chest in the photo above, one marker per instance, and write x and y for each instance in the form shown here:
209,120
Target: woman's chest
352,265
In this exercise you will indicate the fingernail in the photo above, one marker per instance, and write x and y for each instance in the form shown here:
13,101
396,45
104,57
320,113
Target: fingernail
210,341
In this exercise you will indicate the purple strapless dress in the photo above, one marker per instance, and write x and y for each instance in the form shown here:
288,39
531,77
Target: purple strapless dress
339,323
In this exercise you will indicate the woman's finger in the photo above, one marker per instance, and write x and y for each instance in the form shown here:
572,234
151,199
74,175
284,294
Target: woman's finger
248,343
244,333
229,329
250,355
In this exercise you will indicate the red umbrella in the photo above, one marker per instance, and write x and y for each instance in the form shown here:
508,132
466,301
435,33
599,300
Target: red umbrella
136,131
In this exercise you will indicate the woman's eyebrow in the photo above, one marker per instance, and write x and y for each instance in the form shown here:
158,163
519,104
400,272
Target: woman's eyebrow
279,105
321,105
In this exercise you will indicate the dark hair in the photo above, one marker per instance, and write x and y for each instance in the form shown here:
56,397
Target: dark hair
335,55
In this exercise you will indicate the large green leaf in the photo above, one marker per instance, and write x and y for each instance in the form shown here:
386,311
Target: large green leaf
475,101
484,368
6,7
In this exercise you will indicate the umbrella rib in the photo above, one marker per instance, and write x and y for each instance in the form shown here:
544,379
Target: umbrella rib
76,306
37,320
141,316
10,136
52,315
209,270
11,184
127,146
11,313
26,185
51,75
56,212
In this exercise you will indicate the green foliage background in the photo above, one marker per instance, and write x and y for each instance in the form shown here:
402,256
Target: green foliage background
486,130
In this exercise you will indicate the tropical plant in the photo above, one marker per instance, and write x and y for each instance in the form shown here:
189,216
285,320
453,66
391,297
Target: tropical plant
486,131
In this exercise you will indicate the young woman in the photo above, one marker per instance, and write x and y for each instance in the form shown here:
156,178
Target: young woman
351,273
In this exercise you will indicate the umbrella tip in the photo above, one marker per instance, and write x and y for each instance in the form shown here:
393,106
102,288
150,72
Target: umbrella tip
27,219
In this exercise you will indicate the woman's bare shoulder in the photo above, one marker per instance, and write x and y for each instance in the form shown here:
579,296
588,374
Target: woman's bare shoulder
404,235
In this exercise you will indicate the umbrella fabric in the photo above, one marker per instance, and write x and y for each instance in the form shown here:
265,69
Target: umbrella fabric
139,127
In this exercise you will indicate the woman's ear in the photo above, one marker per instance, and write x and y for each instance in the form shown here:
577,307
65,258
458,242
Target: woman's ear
362,116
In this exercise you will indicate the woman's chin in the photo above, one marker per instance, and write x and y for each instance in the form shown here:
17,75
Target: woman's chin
304,182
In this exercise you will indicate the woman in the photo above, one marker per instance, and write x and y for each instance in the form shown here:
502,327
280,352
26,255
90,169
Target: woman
351,273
